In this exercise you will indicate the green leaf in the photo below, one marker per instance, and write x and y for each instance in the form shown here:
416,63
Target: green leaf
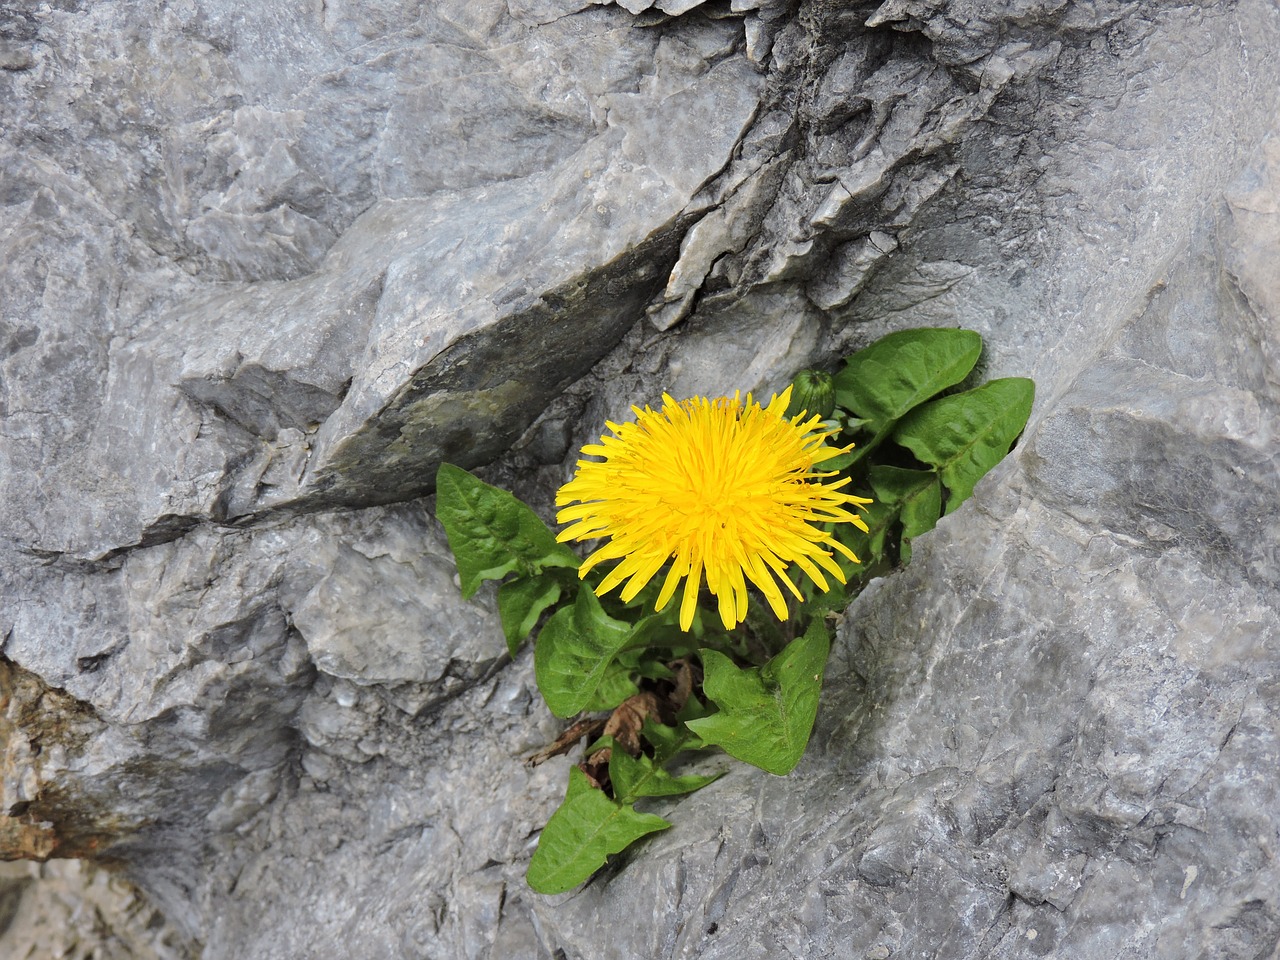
520,604
580,835
967,434
766,713
916,497
617,683
635,777
574,651
832,601
869,546
668,741
900,370
840,462
653,669
491,533
694,709
896,485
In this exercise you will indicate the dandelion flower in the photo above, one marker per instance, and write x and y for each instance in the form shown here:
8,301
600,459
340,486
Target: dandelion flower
719,488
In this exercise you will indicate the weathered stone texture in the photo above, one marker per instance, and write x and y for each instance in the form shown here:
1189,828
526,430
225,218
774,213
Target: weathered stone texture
72,909
264,266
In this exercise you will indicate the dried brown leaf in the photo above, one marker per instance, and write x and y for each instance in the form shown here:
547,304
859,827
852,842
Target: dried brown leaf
596,767
685,681
627,719
587,727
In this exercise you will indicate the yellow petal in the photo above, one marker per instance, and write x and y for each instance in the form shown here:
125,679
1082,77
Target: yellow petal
720,487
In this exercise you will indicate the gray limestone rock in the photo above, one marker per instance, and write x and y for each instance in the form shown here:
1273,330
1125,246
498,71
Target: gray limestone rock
266,266
71,908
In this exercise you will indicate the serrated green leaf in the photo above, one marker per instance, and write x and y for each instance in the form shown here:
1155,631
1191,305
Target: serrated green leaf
655,629
520,604
693,709
920,515
574,651
617,683
916,495
967,434
901,370
766,713
881,383
586,829
839,462
491,533
833,601
654,669
869,545
635,777
896,484
668,741
878,526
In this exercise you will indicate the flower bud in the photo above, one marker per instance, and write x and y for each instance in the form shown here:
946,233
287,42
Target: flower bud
812,393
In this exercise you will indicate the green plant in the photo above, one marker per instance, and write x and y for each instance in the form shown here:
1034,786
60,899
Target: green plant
739,495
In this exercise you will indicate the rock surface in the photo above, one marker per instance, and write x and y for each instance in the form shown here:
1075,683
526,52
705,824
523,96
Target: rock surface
265,267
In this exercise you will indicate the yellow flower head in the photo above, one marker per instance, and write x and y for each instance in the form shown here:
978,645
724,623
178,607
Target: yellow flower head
718,487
